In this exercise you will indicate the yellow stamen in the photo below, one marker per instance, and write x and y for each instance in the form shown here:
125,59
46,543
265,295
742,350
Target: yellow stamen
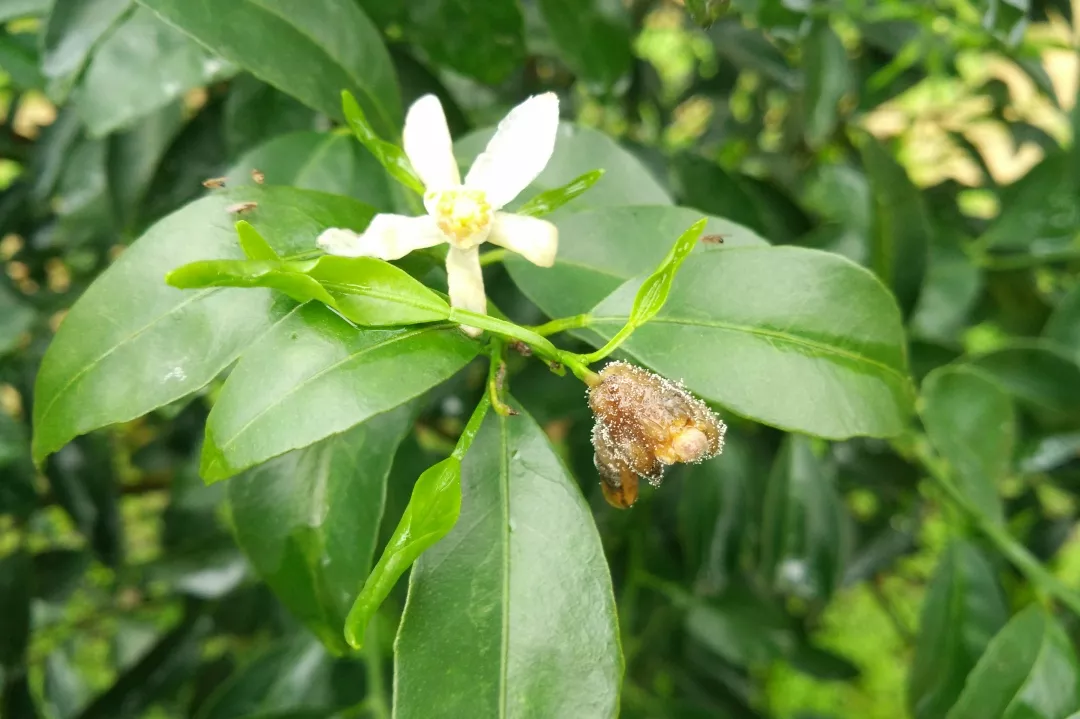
464,216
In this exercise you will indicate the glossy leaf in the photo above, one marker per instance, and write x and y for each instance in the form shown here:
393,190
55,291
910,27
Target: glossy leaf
72,30
654,291
795,338
523,559
273,274
828,79
550,200
601,249
309,520
804,529
317,366
963,609
431,513
970,420
1039,376
317,161
389,155
1028,671
593,36
579,150
132,343
488,42
371,292
901,234
253,244
309,51
141,66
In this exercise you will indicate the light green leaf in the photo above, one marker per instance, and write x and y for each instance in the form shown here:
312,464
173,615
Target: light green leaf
550,200
309,520
248,273
1028,671
970,420
389,155
654,291
253,244
132,343
524,571
374,293
963,609
308,50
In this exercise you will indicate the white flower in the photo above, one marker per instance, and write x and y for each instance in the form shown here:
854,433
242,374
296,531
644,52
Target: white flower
465,215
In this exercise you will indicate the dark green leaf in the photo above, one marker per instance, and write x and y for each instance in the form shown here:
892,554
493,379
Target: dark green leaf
706,12
132,343
524,571
135,156
828,79
970,420
19,59
804,528
255,113
18,494
16,582
82,477
139,67
1028,671
901,234
963,609
431,513
579,150
795,338
949,292
15,319
551,200
593,37
73,29
741,628
601,249
309,520
1039,376
1063,326
654,291
389,155
310,51
750,49
488,41
57,572
316,365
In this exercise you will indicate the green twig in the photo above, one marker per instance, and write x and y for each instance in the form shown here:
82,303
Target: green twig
496,377
574,322
469,433
611,346
493,257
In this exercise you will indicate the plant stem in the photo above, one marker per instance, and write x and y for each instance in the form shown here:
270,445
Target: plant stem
1015,552
574,322
611,346
469,433
492,257
496,376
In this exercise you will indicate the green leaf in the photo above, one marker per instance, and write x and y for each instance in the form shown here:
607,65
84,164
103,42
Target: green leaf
593,37
316,365
488,40
371,292
132,343
16,318
1063,326
135,156
72,30
431,513
16,582
255,113
799,339
249,273
139,67
706,12
970,420
82,477
601,249
389,155
901,235
828,79
804,528
310,51
524,571
15,9
547,202
741,628
317,161
19,58
253,244
57,572
579,150
1039,376
750,49
963,609
309,520
951,288
654,291
1028,671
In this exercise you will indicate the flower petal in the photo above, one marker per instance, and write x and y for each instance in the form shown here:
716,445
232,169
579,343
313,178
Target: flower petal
388,237
534,239
518,152
428,144
466,282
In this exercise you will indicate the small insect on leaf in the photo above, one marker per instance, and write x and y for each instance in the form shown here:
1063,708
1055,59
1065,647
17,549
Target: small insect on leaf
214,183
258,176
712,239
241,207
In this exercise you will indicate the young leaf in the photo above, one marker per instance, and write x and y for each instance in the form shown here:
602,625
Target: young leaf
1029,670
389,155
655,290
524,570
374,293
248,273
432,512
253,244
550,200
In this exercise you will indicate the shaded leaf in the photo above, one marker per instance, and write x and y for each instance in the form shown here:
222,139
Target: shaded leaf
16,582
488,42
828,79
72,30
593,37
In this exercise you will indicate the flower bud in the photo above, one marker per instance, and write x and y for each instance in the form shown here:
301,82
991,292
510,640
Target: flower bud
644,423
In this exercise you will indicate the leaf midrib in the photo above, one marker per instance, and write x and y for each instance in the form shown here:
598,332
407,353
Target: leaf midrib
771,334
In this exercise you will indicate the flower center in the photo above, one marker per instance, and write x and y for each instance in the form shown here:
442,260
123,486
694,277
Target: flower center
463,215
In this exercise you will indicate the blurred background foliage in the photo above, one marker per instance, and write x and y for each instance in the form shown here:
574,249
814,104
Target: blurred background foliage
932,141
